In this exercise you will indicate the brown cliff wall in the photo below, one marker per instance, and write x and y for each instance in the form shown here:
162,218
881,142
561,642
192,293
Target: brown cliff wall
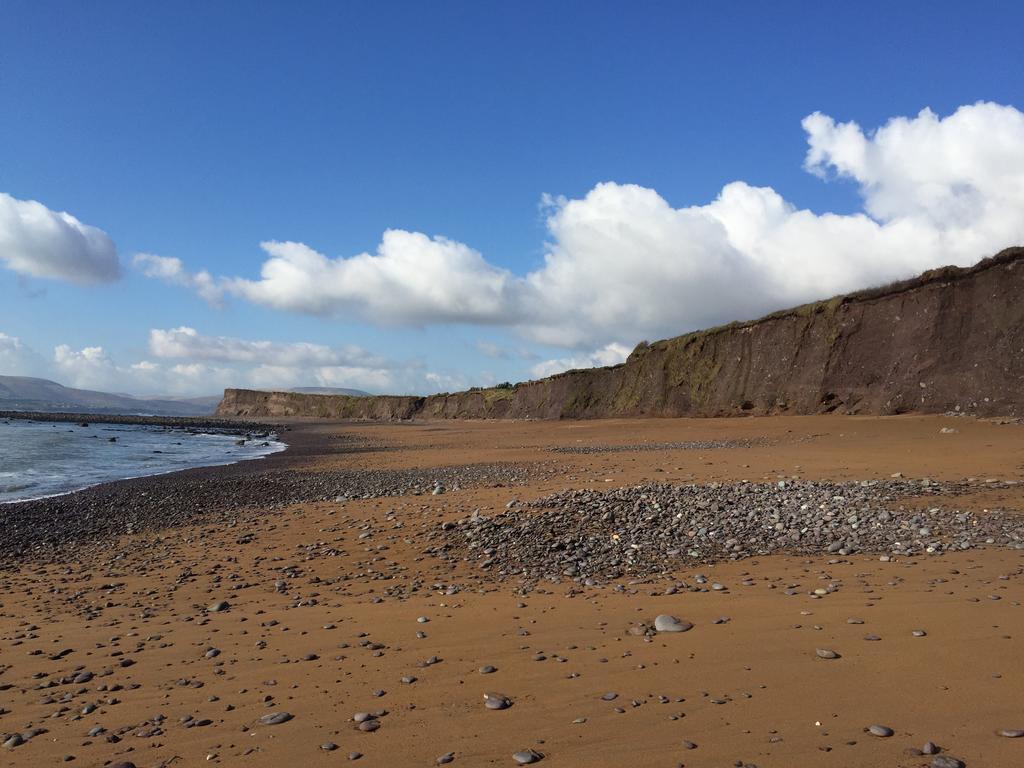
951,338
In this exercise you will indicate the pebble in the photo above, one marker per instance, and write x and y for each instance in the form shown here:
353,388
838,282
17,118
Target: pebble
487,669
882,731
826,653
1011,733
527,756
220,605
666,623
946,761
276,718
446,758
497,701
14,741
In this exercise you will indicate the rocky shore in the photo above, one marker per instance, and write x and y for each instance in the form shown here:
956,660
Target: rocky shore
205,423
57,528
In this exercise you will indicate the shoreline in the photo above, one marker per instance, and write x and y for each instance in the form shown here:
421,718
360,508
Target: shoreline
178,422
68,526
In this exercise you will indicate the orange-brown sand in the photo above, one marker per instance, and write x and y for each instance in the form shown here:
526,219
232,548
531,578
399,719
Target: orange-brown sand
342,635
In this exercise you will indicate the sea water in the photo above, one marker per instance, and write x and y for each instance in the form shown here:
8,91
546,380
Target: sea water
39,459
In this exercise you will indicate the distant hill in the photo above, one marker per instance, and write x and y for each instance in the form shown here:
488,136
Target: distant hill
24,393
329,391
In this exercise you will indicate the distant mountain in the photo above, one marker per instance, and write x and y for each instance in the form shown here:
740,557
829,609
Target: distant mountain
23,393
330,391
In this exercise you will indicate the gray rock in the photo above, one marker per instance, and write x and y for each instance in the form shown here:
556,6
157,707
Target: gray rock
276,718
220,605
527,756
827,653
666,623
13,741
882,731
497,701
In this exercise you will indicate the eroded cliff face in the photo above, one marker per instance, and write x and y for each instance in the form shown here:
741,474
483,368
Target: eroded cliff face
951,339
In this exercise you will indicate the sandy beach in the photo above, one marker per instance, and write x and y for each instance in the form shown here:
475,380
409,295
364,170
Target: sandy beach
335,603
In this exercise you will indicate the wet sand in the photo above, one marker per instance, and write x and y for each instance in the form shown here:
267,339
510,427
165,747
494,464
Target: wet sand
324,597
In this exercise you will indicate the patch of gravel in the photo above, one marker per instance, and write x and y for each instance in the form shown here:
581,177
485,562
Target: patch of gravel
53,529
690,445
656,528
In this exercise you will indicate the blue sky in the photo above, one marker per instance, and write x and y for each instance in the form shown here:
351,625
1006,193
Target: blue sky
197,131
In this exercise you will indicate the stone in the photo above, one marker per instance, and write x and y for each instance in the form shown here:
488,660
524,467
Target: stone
667,623
527,756
276,718
497,701
882,731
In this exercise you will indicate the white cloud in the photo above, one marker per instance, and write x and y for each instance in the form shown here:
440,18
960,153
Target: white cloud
172,270
277,365
612,354
16,359
622,264
185,342
38,242
204,365
87,368
412,279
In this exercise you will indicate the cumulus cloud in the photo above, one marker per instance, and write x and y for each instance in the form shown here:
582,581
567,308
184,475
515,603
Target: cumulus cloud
611,354
190,363
412,279
16,359
185,342
278,365
622,263
87,368
38,242
172,270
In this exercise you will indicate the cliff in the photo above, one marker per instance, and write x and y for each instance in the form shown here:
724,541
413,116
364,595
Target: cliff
950,339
